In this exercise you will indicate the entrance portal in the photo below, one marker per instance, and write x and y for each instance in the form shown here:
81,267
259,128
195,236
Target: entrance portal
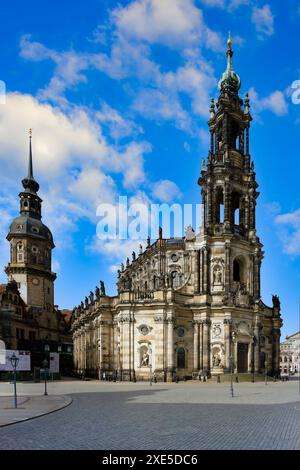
242,357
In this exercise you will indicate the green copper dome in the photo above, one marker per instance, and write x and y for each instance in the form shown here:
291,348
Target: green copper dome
230,81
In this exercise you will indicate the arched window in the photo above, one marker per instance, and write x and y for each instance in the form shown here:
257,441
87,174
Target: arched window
236,271
180,358
219,206
235,206
175,279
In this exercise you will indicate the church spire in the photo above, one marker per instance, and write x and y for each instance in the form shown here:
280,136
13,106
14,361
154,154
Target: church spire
30,202
29,182
230,81
30,171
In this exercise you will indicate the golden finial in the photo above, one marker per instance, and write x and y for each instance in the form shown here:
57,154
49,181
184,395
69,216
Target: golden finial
30,132
229,40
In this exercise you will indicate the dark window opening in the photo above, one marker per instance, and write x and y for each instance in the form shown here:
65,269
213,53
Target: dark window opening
180,358
236,271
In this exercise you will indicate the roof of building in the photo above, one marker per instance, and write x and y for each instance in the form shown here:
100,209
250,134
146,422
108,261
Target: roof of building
294,336
26,225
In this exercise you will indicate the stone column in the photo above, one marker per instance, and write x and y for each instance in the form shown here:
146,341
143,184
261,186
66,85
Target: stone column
227,333
256,348
126,346
206,346
205,270
235,356
170,358
201,346
227,267
196,347
132,350
100,345
196,271
160,337
250,357
209,205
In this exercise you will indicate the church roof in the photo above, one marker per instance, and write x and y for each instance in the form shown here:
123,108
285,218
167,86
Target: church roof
26,225
294,336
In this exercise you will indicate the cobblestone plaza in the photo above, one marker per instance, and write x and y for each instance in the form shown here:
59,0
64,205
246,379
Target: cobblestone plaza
182,416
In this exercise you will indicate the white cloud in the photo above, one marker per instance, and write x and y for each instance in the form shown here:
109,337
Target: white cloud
118,126
68,70
162,105
290,234
275,102
187,147
175,23
73,162
166,191
214,3
263,19
93,186
228,4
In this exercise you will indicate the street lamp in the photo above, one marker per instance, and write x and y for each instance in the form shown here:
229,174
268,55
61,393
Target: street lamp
14,362
45,367
266,369
150,367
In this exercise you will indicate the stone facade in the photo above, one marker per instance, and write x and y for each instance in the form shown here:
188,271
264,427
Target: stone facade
290,355
192,306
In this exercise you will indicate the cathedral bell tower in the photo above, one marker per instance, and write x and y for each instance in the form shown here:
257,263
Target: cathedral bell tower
31,244
229,189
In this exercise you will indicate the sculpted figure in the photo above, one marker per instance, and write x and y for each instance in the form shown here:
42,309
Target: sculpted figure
145,359
276,301
97,292
102,288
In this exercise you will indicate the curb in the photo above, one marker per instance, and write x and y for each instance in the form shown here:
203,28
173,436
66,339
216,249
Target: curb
69,402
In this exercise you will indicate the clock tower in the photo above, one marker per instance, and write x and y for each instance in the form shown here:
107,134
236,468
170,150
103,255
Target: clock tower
31,245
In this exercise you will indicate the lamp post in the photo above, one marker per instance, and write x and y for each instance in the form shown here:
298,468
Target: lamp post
14,362
266,369
150,366
45,367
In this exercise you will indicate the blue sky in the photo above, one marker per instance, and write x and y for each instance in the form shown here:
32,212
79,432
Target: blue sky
117,94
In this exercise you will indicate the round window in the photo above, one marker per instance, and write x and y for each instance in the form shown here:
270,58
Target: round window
180,332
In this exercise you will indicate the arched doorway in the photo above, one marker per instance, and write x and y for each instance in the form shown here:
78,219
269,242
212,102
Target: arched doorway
180,358
242,357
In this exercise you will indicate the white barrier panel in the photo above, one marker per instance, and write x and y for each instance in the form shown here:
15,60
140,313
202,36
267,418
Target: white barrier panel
2,352
23,364
54,363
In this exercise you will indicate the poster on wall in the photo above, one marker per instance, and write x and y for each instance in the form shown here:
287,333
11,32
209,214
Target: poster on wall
24,362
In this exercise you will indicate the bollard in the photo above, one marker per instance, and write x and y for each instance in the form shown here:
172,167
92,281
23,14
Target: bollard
218,379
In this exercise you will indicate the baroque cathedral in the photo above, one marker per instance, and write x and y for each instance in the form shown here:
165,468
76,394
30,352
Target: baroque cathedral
191,306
